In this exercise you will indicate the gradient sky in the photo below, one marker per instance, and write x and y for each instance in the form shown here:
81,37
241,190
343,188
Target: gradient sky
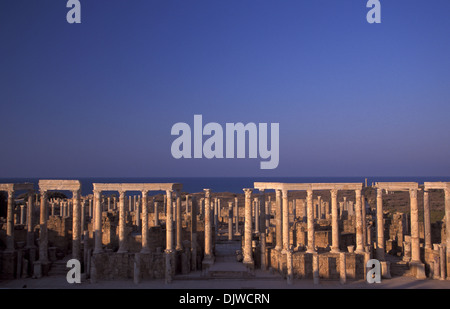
98,99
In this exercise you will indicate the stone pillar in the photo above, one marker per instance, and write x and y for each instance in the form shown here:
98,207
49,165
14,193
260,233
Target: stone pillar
342,268
426,219
208,226
30,233
319,207
359,226
91,209
334,223
294,208
156,213
236,206
214,213
363,215
145,248
98,222
76,226
248,258
43,233
442,261
262,236
268,207
83,216
230,220
256,203
415,236
310,225
305,211
380,226
315,262
194,210
278,222
289,266
169,237
122,223
285,220
109,203
447,223
10,222
179,245
23,217
137,213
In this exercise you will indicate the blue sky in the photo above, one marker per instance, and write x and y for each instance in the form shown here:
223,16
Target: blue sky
98,99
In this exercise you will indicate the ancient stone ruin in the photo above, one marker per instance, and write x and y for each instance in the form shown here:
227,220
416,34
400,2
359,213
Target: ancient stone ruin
145,231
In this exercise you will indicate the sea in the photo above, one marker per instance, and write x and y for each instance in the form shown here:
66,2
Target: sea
226,184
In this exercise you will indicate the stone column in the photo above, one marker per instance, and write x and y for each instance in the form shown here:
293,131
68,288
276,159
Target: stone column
156,213
91,209
315,262
267,214
256,202
294,208
194,208
22,215
262,236
363,214
208,226
319,207
334,222
447,223
359,227
310,213
415,238
137,213
426,219
122,223
30,233
230,220
380,226
305,211
43,233
248,258
10,222
169,252
145,247
285,220
278,222
83,216
236,205
98,222
76,226
179,245
342,268
109,203
214,213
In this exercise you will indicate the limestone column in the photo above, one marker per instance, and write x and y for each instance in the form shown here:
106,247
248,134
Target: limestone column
169,221
305,211
10,222
248,258
122,223
256,202
447,223
426,219
98,222
294,208
76,226
230,220
194,207
236,206
380,226
334,222
262,236
342,268
137,213
187,204
30,233
145,247
285,220
363,214
109,203
319,207
415,236
83,216
169,252
156,213
310,212
91,209
208,225
179,245
23,217
43,233
267,214
278,222
359,227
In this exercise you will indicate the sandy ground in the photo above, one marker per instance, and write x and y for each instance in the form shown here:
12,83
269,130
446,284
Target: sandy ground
271,283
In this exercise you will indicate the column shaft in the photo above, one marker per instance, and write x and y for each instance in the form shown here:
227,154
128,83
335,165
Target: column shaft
145,248
359,225
285,220
10,222
248,258
98,222
43,234
380,226
415,239
122,223
179,245
426,219
334,222
310,224
76,228
278,222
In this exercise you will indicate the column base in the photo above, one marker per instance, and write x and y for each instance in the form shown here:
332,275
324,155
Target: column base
335,250
418,269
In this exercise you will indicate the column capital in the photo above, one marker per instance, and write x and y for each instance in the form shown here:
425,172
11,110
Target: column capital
169,192
285,192
248,192
334,193
379,192
413,193
207,193
144,193
278,192
358,193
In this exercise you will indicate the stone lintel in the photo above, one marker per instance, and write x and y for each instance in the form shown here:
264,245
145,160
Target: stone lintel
60,185
137,186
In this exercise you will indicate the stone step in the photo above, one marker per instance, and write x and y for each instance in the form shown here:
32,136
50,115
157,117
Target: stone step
228,270
399,269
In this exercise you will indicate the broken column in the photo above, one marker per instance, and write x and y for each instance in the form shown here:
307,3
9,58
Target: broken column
248,258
